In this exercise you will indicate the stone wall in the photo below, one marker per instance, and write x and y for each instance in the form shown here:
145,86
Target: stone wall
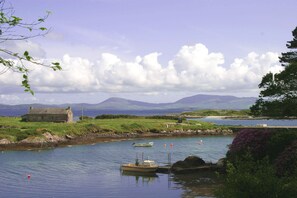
47,118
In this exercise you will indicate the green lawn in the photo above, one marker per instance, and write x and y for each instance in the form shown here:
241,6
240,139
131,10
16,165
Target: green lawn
14,129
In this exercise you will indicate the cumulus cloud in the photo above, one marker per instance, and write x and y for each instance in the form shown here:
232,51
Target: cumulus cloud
193,68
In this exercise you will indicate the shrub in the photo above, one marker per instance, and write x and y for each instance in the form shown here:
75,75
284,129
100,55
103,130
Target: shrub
252,140
85,118
286,162
255,178
279,140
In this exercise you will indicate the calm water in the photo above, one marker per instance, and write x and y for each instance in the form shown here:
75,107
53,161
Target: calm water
270,122
94,170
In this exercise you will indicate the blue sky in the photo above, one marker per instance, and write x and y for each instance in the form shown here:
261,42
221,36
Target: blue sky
151,50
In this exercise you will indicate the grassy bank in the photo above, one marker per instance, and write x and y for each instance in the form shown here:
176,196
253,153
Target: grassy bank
14,130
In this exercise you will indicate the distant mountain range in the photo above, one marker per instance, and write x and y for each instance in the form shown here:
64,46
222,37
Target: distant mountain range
124,106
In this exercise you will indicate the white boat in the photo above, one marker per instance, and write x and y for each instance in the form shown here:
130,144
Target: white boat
147,166
262,125
147,144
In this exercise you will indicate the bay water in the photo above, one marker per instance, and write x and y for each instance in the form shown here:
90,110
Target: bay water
94,170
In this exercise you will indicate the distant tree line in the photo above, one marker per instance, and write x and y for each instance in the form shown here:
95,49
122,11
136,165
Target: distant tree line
116,116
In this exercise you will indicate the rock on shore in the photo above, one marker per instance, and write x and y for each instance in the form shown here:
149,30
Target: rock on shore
193,164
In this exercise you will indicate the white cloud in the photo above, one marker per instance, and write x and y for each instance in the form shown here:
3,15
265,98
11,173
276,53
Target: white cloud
9,97
13,99
193,68
22,46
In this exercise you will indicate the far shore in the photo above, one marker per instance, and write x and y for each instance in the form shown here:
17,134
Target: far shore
16,134
242,117
92,138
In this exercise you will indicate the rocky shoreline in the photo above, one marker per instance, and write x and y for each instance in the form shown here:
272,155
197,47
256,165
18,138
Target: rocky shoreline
47,140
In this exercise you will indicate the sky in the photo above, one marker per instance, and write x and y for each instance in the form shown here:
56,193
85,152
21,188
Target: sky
149,50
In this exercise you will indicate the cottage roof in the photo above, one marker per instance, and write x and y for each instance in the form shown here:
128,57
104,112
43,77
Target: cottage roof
48,111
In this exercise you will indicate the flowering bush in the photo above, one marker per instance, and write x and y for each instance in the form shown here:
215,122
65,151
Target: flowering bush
252,140
261,163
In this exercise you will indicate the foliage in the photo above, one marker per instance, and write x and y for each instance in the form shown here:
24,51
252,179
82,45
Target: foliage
13,28
261,142
85,118
291,56
286,163
248,177
278,96
261,163
279,140
254,141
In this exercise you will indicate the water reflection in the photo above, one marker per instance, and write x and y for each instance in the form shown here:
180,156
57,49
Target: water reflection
198,184
143,178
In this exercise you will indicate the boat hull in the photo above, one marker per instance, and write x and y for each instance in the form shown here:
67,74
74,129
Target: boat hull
150,144
139,168
143,145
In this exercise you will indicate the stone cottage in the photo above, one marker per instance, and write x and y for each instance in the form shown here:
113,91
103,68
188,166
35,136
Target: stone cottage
48,115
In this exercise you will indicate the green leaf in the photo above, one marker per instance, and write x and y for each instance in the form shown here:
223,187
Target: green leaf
56,66
43,28
26,54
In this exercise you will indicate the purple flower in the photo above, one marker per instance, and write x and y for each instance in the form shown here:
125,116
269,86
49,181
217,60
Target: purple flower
254,140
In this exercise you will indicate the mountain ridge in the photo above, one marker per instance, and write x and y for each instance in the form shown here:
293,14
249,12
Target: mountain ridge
116,105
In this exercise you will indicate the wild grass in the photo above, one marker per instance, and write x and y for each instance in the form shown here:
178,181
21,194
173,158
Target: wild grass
13,129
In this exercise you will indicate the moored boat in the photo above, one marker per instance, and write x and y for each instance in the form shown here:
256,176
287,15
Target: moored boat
145,166
147,144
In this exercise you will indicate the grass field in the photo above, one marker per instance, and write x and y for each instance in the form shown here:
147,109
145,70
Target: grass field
15,130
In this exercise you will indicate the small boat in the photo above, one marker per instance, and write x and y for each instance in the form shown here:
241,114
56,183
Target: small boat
147,166
147,144
262,125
